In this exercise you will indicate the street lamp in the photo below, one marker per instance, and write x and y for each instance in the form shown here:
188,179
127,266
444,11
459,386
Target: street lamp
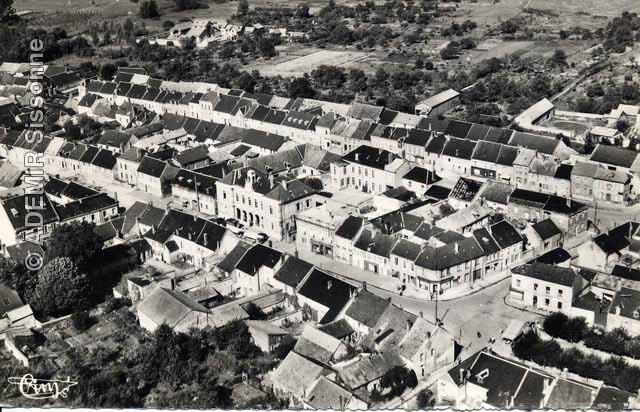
435,294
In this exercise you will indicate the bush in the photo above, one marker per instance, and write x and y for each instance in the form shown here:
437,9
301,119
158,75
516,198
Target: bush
82,321
425,399
560,326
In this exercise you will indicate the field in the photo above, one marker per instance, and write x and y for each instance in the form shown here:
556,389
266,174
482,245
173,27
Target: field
296,62
585,13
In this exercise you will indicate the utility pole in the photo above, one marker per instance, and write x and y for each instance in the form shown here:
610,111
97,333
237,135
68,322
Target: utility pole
195,181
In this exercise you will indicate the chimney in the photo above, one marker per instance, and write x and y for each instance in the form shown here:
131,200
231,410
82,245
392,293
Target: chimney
565,373
190,236
461,370
205,239
357,157
618,310
593,396
421,314
546,386
391,158
271,184
364,285
456,248
285,184
329,284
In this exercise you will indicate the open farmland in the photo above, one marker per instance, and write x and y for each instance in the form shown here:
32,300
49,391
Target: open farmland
304,61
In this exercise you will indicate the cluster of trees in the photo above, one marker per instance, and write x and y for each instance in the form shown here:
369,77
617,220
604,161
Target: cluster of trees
459,29
168,370
615,371
149,9
616,341
602,98
65,284
622,32
393,383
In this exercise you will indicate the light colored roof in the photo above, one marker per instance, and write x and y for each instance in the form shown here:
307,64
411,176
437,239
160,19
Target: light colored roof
416,338
603,131
321,339
514,329
616,176
296,374
175,309
265,327
19,313
325,394
440,98
534,112
230,312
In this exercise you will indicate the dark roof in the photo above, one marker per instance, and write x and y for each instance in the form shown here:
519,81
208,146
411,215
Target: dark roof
228,264
529,198
367,308
370,156
417,137
460,148
438,192
152,167
547,273
564,172
339,329
422,175
465,189
350,227
628,302
458,129
89,154
617,238
498,135
293,271
553,257
486,151
436,144
507,155
612,398
193,155
104,159
531,392
542,144
505,234
557,204
264,140
626,273
16,209
407,249
328,291
478,131
376,243
613,155
258,256
486,241
546,229
450,255
189,179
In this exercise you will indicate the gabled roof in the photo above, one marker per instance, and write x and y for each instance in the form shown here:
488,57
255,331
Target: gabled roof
350,227
296,374
613,155
152,167
370,156
450,255
328,291
547,273
487,151
542,144
293,271
367,308
376,243
546,229
505,234
421,175
230,261
256,257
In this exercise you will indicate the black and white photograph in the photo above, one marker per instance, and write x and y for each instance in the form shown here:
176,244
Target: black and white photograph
338,205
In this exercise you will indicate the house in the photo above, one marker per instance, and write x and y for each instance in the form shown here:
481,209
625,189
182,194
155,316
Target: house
154,176
320,347
324,295
372,252
345,235
437,105
371,170
540,111
546,287
624,311
9,300
328,395
544,236
426,348
174,309
20,223
193,158
600,134
195,191
364,311
117,142
294,378
265,335
255,270
419,179
605,250
366,371
264,201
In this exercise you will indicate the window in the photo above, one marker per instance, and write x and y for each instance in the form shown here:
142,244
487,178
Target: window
559,305
518,283
548,289
546,302
560,292
535,286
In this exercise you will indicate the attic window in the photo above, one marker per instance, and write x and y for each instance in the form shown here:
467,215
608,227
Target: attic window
14,212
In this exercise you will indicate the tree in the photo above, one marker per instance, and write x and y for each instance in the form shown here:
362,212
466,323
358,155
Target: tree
266,47
559,57
187,4
82,320
243,7
61,288
286,345
313,182
425,399
77,241
300,87
14,275
7,12
149,9
397,379
255,312
107,71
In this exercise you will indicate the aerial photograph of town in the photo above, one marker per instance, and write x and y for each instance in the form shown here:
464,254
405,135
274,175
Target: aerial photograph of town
320,204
